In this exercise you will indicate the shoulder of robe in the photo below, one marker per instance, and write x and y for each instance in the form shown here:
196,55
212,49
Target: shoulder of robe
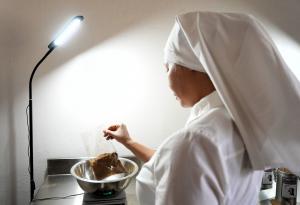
215,124
215,130
184,140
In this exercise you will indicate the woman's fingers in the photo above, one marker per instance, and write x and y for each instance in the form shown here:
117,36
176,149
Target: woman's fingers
113,127
118,132
108,133
110,130
109,138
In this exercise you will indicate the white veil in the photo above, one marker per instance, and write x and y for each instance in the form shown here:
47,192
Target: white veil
252,79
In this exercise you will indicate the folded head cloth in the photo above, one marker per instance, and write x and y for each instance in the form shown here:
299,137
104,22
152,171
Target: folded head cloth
256,86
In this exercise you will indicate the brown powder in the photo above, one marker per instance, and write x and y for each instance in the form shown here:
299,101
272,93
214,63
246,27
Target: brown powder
107,164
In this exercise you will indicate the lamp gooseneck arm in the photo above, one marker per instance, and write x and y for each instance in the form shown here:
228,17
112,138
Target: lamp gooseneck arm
32,184
35,68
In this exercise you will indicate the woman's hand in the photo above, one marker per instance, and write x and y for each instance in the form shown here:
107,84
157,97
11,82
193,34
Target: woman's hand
119,133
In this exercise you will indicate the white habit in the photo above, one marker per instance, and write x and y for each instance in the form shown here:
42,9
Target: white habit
204,163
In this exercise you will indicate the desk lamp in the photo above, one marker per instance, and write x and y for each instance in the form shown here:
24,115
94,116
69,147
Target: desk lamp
66,33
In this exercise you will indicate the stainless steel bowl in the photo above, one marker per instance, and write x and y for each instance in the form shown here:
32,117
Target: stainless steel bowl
86,179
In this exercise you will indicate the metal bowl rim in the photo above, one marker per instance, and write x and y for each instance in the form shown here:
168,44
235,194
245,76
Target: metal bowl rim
104,181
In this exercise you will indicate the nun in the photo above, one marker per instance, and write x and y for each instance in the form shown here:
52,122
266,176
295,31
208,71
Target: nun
245,115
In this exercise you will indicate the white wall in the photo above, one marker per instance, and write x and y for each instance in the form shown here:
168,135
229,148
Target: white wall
8,142
111,71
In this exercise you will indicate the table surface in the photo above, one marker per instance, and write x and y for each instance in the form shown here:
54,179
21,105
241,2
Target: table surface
65,185
58,186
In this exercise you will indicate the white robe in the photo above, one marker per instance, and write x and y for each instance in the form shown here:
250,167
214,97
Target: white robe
205,163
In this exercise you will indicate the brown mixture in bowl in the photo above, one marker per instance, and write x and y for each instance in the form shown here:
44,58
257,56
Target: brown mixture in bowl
107,164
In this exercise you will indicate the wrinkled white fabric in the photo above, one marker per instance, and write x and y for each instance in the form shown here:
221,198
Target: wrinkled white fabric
204,163
252,79
178,50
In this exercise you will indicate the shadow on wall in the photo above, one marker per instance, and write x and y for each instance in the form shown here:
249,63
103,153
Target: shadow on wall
282,14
